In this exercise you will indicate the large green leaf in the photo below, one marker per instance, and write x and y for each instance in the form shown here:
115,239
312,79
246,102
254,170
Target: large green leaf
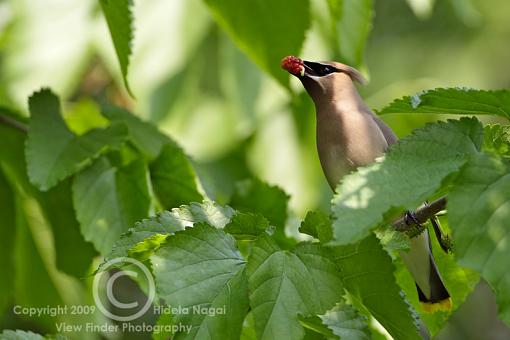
367,274
200,269
168,222
412,170
120,22
266,30
53,152
109,199
173,178
286,284
478,212
454,101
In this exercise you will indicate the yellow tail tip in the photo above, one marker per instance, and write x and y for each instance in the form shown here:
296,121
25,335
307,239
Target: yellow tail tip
432,307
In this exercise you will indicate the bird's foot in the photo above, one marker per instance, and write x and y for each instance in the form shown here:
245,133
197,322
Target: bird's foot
416,228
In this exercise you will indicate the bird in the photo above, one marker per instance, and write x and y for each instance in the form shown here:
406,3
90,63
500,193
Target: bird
349,135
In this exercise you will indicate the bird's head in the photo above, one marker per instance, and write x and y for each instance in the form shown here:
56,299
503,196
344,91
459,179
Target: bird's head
321,79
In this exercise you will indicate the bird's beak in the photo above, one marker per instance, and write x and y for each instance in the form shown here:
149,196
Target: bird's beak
308,69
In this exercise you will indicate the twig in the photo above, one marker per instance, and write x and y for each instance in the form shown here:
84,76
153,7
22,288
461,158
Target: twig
6,120
422,215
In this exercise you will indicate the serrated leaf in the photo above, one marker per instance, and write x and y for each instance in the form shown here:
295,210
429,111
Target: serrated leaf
367,274
411,171
173,178
109,199
169,222
145,136
120,23
265,30
201,267
247,226
318,225
286,284
462,101
478,214
496,139
52,151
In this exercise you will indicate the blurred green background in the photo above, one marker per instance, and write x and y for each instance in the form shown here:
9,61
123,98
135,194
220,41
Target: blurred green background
233,119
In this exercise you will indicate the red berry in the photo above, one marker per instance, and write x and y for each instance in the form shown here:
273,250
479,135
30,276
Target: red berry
292,64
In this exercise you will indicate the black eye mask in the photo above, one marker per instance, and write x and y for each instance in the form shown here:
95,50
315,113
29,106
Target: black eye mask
318,69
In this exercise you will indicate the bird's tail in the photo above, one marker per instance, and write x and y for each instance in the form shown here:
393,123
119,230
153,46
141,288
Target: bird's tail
432,292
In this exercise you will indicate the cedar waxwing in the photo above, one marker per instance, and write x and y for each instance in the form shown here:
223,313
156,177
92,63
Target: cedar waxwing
349,135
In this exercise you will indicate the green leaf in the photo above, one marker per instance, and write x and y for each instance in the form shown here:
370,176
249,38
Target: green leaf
173,178
108,200
478,213
265,30
145,136
496,139
318,225
346,322
53,152
247,226
120,23
411,171
286,284
341,322
454,101
201,269
353,22
169,222
259,197
164,319
367,274
73,254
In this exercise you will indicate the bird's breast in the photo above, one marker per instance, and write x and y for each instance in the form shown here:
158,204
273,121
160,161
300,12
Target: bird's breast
346,142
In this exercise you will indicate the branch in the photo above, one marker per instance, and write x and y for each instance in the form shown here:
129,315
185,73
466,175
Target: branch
422,215
6,120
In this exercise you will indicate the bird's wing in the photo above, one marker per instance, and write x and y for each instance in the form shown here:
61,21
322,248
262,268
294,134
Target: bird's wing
388,133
